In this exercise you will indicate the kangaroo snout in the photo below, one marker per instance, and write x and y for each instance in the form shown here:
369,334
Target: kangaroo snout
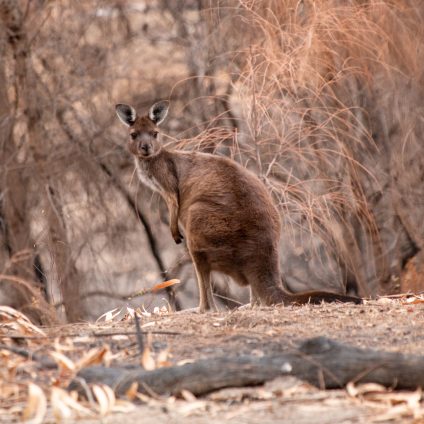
145,149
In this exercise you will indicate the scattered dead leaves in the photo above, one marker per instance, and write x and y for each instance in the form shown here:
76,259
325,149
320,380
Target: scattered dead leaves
36,406
396,404
32,394
29,392
11,319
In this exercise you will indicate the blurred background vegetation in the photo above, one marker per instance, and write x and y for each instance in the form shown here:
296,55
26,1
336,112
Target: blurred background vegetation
323,99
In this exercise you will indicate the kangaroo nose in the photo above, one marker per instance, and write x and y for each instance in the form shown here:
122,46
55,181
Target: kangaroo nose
144,149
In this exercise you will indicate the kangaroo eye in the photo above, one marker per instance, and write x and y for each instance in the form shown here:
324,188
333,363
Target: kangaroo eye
133,135
155,134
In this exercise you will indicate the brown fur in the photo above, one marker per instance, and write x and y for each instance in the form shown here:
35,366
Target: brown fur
227,216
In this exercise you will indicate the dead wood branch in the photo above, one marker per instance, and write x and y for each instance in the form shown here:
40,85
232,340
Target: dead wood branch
319,361
42,360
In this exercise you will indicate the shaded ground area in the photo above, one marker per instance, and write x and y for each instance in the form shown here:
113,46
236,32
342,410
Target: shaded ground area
390,325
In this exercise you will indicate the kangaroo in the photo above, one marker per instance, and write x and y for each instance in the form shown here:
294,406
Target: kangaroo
226,213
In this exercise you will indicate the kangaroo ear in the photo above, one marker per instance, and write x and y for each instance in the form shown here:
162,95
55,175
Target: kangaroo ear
158,112
126,114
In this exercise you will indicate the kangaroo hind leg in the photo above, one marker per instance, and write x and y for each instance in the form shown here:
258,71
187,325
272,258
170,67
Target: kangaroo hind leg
204,282
267,288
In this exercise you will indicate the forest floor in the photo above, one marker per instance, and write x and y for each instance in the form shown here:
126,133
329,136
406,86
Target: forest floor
387,324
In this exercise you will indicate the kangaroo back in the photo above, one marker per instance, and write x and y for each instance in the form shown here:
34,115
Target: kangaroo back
226,214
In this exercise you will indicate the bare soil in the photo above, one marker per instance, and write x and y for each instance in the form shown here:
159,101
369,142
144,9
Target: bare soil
387,324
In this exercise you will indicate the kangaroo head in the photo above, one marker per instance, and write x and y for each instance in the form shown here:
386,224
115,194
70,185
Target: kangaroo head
144,133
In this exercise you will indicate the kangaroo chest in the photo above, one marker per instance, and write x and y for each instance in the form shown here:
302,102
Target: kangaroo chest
146,177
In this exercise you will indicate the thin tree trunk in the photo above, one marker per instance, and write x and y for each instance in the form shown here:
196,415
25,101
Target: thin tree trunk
17,251
32,101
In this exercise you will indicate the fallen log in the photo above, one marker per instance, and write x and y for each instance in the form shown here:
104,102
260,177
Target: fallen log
320,361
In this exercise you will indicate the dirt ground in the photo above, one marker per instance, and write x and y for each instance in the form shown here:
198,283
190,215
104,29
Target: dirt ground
387,324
